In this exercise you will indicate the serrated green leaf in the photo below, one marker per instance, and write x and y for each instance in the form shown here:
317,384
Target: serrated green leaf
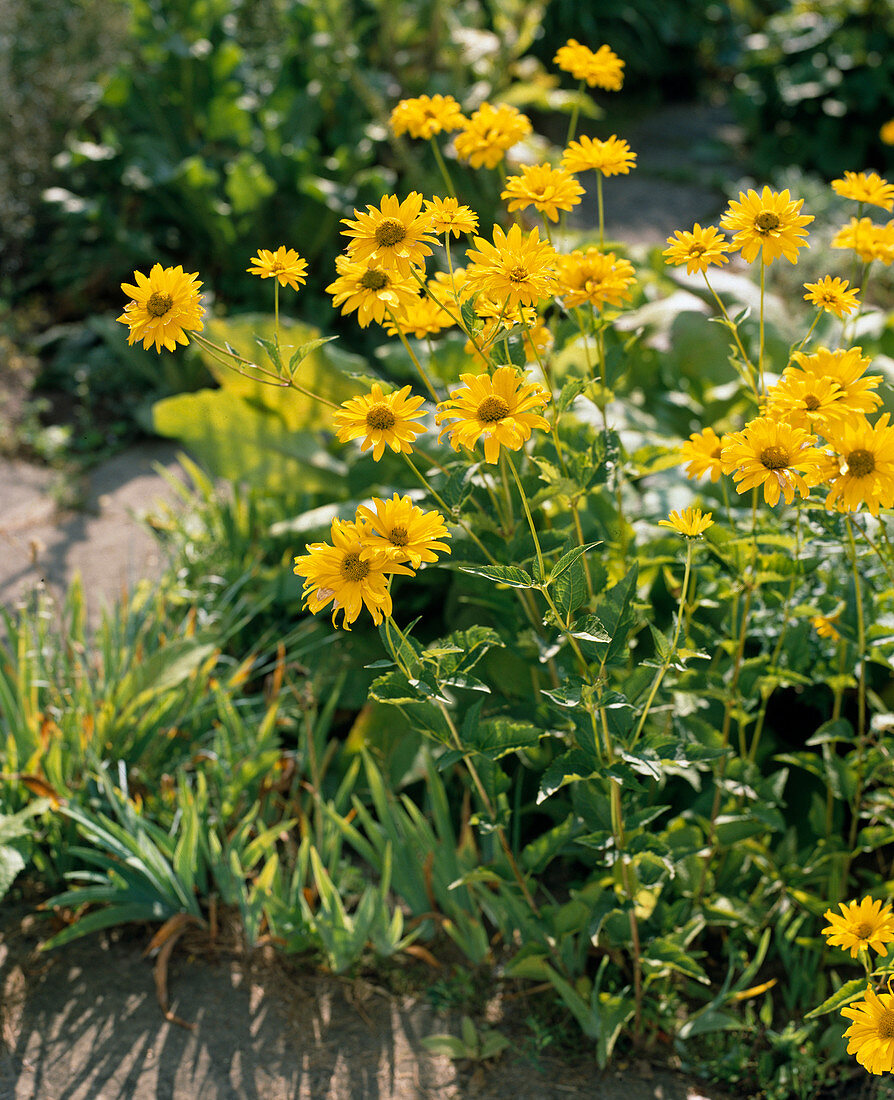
850,991
509,575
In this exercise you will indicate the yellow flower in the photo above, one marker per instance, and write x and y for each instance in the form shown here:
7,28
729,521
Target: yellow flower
612,157
489,133
384,420
497,409
871,1035
866,453
425,116
594,276
449,216
824,625
602,69
774,454
347,573
698,249
701,454
394,237
866,188
869,240
770,223
832,295
844,366
370,290
547,189
690,523
514,269
403,531
886,133
807,401
425,317
164,306
284,264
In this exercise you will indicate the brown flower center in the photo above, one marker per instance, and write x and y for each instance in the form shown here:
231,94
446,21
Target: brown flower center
697,250
353,568
399,536
766,221
492,409
380,418
716,452
518,274
811,402
390,232
886,1025
373,279
864,931
159,304
775,458
860,463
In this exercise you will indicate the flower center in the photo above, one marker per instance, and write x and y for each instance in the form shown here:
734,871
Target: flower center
766,221
353,568
860,463
373,279
811,402
775,458
886,1025
380,418
864,931
159,304
399,536
697,250
517,274
492,409
390,232
716,452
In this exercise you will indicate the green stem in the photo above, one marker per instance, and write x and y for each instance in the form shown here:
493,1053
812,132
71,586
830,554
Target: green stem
601,209
442,167
524,499
425,379
760,357
746,361
230,359
575,112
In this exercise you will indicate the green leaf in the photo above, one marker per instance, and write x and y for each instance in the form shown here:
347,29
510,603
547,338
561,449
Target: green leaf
850,991
509,575
497,737
11,863
568,768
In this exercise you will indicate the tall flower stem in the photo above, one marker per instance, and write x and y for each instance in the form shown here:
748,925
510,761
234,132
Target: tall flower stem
426,381
442,167
760,357
230,359
575,112
861,701
747,365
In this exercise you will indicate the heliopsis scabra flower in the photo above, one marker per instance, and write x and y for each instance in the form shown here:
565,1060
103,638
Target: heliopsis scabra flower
774,454
886,133
866,453
807,401
393,236
869,240
824,625
450,216
370,290
844,366
425,116
489,133
832,296
869,188
347,573
701,454
403,531
599,278
383,419
698,249
498,409
515,269
867,923
425,317
871,1035
284,264
769,223
612,157
691,522
602,69
164,306
547,189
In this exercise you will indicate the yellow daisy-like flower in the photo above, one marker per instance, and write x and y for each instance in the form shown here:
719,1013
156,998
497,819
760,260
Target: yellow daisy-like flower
866,452
701,454
845,366
384,420
698,249
370,290
869,188
602,69
869,240
774,454
612,157
769,223
832,296
284,264
425,317
393,236
403,531
347,573
450,216
425,116
867,923
163,307
691,522
871,1035
886,133
824,625
515,269
599,278
496,408
547,189
489,133
807,401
